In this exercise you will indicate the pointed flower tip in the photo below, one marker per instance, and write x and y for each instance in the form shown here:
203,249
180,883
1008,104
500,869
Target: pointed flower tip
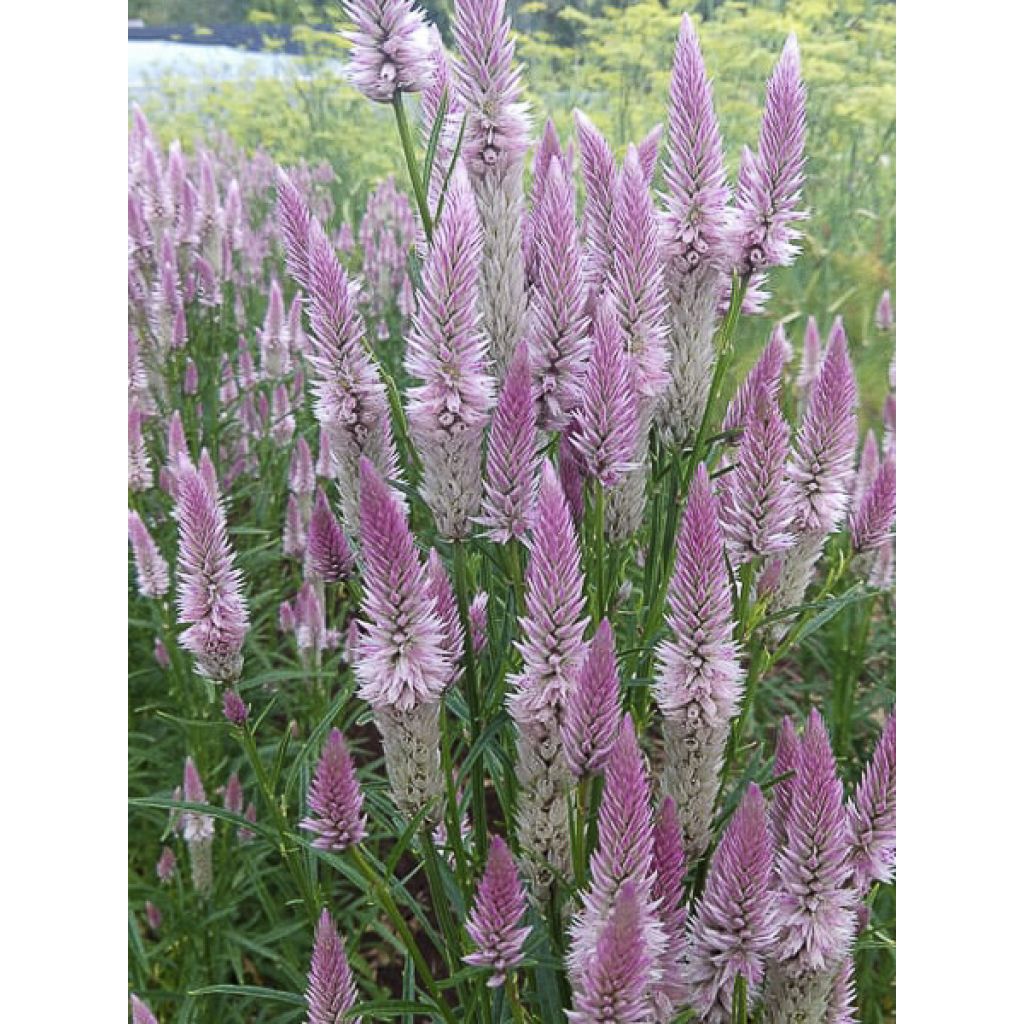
335,799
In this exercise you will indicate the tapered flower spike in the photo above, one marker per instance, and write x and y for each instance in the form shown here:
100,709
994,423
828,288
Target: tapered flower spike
166,865
294,534
439,586
177,444
210,596
883,315
324,468
141,1013
570,473
872,522
873,814
197,830
190,385
493,923
150,566
647,151
275,355
478,621
787,749
301,478
558,320
733,928
770,182
607,423
670,893
549,149
236,711
447,351
757,497
328,555
513,455
613,988
335,800
402,661
592,710
842,1004
331,990
697,684
234,798
766,372
390,48
822,464
310,622
140,472
867,470
696,194
599,173
810,357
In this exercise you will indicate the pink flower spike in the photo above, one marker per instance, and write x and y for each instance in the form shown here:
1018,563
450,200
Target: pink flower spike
767,372
335,799
166,865
141,1013
328,554
439,586
810,357
294,534
390,48
883,315
872,814
592,711
236,711
331,990
301,478
140,472
234,798
150,566
871,524
599,175
670,893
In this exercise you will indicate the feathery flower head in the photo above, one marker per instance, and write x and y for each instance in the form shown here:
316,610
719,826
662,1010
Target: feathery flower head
607,421
549,149
390,48
810,357
554,623
478,621
815,898
209,586
669,892
842,1005
770,182
275,359
294,534
236,711
310,622
757,497
513,454
592,709
141,1013
647,151
613,987
767,372
698,665
570,473
234,797
150,566
196,827
166,865
733,929
883,315
402,661
695,222
335,799
558,319
489,86
493,923
190,384
599,175
439,585
871,523
867,470
177,444
301,478
821,467
331,989
872,814
328,554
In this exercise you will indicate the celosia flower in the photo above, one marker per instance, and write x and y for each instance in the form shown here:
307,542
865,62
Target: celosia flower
822,464
614,985
770,182
140,472
177,444
512,455
478,621
766,372
558,320
549,148
153,917
390,48
150,566
209,586
787,749
592,710
570,473
647,151
331,990
607,423
883,314
166,865
872,814
697,684
234,798
310,623
867,470
141,1013
871,523
439,586
246,835
275,354
402,659
493,923
670,893
598,164
842,1005
235,709
733,928
324,469
190,384
294,534
810,357
160,655
301,478
197,830
328,555
335,799
447,352
757,496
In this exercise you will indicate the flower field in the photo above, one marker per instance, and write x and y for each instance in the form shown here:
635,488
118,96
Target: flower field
512,528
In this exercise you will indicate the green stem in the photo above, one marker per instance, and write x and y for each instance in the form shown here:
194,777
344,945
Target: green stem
442,906
512,994
410,161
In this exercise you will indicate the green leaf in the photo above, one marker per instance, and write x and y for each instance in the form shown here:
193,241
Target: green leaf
252,991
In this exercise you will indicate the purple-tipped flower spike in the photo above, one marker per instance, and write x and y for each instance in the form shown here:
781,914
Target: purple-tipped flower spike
615,983
150,566
867,470
826,445
160,655
310,623
275,356
769,183
598,164
390,48
757,496
872,522
190,385
734,927
872,814
141,1013
166,865
592,711
625,853
448,352
439,586
324,469
478,621
513,454
787,749
883,315
328,555
570,473
670,893
154,918
558,319
842,1005
209,586
297,229
301,478
607,423
177,444
197,830
694,227
493,923
234,797
294,534
236,711
549,149
335,799
766,372
810,357
698,673
331,990
403,661
647,151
